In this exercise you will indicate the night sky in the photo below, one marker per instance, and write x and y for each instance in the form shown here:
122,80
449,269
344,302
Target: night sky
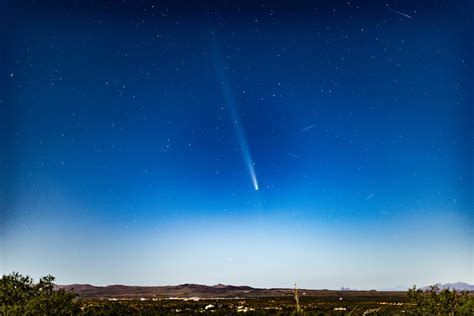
265,143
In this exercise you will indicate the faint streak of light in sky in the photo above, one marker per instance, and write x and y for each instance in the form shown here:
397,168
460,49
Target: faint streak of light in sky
401,13
220,67
308,127
293,155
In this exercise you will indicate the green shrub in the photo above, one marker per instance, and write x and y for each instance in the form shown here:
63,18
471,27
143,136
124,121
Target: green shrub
19,295
441,302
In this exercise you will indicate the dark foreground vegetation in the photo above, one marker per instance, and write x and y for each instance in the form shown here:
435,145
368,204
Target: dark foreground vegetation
19,295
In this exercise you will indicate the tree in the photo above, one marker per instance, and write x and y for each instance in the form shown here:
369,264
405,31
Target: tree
19,295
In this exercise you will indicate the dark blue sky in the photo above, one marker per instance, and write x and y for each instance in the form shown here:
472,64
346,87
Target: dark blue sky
131,130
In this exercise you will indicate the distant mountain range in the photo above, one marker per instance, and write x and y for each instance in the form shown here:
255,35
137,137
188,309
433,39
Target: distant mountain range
177,291
190,291
458,286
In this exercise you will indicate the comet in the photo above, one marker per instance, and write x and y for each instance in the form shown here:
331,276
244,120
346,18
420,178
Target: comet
231,106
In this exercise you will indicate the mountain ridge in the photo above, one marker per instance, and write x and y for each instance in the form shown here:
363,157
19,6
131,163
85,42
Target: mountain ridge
190,290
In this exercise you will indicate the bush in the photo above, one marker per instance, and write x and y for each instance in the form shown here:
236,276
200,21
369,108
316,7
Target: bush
19,295
441,302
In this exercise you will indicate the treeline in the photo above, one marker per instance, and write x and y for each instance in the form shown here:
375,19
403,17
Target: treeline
20,295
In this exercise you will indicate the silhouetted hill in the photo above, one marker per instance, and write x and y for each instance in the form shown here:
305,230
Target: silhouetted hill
178,291
184,291
187,290
458,286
